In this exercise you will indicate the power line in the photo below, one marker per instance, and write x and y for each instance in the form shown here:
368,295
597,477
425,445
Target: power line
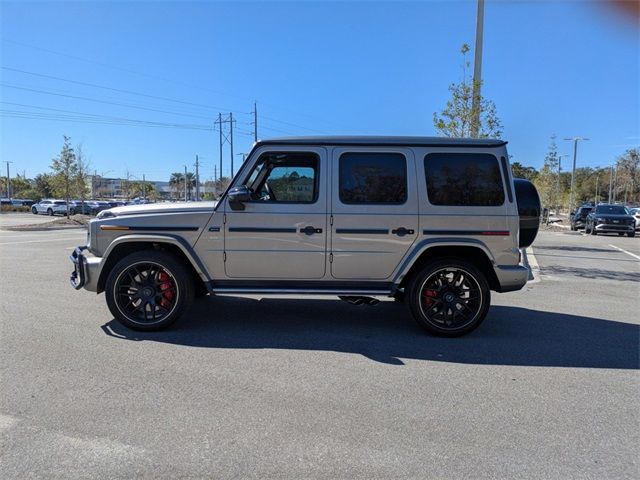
119,90
135,72
89,99
95,119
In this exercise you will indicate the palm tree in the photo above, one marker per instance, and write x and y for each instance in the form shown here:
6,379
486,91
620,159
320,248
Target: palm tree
191,183
177,181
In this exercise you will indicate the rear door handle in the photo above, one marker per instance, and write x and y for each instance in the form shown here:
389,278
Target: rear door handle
310,230
401,231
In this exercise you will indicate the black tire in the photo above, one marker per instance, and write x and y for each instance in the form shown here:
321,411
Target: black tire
472,288
50,212
621,234
34,210
631,234
573,228
157,280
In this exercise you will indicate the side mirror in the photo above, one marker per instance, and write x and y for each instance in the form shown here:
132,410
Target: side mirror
238,196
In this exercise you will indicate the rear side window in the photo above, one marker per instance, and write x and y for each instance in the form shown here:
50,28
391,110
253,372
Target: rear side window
373,177
463,179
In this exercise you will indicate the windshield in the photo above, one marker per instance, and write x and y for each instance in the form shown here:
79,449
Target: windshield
612,209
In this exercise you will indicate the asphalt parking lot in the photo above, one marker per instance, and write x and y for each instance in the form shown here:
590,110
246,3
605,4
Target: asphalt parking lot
317,388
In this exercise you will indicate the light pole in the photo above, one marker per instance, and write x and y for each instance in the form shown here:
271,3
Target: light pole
477,72
610,182
8,180
558,184
573,171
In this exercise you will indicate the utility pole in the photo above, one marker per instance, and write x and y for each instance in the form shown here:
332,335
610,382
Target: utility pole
220,126
8,180
197,180
573,171
255,122
185,183
226,136
595,199
231,134
144,187
477,72
615,183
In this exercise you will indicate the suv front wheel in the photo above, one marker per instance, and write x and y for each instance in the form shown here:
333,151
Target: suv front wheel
149,290
449,297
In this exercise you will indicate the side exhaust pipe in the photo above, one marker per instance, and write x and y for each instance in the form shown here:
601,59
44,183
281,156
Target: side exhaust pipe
353,300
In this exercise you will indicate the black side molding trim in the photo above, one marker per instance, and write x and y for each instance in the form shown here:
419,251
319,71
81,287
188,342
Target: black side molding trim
261,230
496,233
366,231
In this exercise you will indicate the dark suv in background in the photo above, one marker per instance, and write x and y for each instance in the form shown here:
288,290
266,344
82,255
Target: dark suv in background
607,218
579,217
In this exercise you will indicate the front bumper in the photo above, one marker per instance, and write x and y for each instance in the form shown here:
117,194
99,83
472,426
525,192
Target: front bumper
86,269
617,228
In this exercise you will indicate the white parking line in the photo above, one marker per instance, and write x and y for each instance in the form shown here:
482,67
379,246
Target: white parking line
624,251
20,242
534,268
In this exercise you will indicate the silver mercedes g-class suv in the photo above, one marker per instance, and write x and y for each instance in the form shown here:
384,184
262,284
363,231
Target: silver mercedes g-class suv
435,222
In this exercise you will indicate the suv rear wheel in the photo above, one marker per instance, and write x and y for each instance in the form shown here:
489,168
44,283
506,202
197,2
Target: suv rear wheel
149,290
449,297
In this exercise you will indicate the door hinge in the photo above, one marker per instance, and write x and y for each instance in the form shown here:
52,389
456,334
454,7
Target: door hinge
224,256
330,219
331,258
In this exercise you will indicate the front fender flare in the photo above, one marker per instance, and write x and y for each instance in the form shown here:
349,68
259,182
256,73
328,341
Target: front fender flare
174,240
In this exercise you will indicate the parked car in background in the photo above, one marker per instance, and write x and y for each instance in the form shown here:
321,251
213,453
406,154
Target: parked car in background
78,206
635,212
49,206
114,204
98,205
606,218
579,218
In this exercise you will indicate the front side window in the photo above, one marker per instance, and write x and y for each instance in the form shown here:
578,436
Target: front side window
373,177
288,177
463,179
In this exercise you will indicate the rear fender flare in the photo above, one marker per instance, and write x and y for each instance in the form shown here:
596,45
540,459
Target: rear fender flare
425,245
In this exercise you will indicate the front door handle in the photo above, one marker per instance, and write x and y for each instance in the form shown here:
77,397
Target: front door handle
310,230
401,231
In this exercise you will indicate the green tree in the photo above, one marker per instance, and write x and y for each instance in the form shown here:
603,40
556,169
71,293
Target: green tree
43,186
456,119
176,182
547,179
65,170
82,176
520,171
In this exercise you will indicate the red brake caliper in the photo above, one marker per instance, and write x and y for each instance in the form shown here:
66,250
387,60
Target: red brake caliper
428,295
167,292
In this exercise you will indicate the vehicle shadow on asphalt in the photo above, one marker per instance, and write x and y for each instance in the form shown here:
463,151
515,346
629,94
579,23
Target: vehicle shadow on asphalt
386,333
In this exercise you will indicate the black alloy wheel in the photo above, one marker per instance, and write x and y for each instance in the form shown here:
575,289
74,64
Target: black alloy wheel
449,297
149,290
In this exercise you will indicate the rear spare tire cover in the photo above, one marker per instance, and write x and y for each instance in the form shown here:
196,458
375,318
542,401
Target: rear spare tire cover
528,209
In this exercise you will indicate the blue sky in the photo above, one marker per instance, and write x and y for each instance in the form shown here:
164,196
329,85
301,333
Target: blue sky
569,68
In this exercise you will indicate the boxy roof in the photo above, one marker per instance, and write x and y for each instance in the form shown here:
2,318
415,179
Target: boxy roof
366,140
